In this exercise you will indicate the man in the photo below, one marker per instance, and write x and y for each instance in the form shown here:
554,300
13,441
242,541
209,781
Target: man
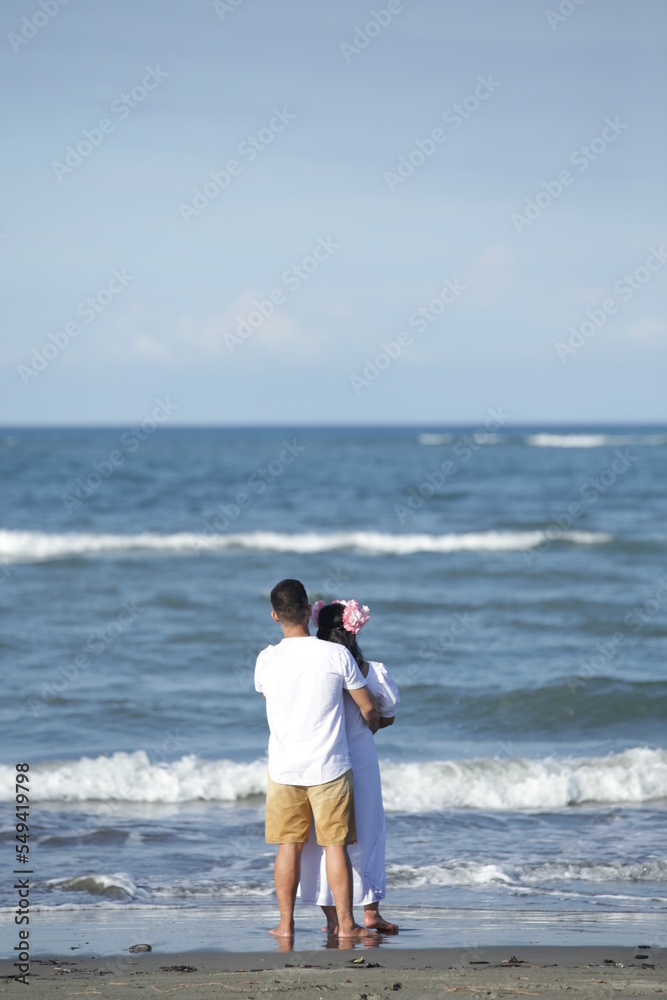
302,680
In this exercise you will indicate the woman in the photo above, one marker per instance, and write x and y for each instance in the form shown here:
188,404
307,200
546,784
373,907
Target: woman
340,622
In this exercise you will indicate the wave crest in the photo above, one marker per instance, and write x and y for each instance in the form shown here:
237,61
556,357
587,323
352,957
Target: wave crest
593,440
39,546
470,873
511,784
118,886
495,784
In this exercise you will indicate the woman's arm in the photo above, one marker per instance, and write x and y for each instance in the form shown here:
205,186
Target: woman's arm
387,694
366,705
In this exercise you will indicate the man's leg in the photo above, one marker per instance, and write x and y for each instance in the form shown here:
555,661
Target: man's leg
288,818
333,810
287,872
339,877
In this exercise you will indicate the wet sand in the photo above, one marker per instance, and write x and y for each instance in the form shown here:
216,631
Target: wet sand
534,971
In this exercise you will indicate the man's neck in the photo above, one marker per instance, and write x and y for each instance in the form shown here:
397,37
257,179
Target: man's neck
295,631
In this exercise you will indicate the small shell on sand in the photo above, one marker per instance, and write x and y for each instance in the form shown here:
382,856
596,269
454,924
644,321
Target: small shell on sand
140,947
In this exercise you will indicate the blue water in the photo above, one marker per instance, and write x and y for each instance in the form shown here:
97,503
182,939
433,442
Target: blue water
517,581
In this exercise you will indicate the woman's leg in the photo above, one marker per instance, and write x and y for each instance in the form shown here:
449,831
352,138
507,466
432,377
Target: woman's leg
332,919
374,921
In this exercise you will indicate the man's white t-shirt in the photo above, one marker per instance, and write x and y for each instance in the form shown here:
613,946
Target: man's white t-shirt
303,680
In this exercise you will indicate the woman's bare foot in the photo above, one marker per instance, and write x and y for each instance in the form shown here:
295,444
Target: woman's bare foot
332,920
373,921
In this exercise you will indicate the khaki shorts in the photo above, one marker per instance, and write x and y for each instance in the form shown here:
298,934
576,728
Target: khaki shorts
290,808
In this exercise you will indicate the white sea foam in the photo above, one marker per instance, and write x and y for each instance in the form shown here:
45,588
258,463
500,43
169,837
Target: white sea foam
551,440
479,437
116,886
36,546
450,873
131,777
465,873
638,775
593,440
503,784
651,870
560,877
217,887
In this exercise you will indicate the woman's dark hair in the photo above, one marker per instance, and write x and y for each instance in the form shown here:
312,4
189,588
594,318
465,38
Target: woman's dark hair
330,628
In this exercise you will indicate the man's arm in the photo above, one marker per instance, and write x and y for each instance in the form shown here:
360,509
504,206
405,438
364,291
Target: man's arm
362,699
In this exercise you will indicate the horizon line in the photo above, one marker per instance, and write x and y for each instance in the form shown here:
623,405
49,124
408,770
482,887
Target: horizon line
337,426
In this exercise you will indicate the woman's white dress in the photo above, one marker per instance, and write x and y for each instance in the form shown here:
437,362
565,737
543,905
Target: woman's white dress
367,855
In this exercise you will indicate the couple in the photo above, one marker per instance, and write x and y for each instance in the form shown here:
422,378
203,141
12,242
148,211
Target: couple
322,758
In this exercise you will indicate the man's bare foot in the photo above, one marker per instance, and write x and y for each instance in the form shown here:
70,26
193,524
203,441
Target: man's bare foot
373,921
283,930
334,943
354,933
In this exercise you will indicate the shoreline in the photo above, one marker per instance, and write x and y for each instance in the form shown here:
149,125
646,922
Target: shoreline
242,927
544,971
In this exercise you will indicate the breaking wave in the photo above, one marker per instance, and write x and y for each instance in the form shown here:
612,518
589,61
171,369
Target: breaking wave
40,546
498,784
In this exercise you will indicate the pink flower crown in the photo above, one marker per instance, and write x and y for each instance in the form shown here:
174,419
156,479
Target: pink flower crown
354,616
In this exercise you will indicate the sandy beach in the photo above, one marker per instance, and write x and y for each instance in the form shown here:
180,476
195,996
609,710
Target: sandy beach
545,972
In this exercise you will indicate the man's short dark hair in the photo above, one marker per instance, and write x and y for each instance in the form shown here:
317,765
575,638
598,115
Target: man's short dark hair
289,600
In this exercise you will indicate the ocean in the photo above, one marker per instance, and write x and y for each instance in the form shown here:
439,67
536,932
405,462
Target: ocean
517,583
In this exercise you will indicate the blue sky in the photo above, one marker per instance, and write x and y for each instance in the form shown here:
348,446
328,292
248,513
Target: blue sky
308,281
